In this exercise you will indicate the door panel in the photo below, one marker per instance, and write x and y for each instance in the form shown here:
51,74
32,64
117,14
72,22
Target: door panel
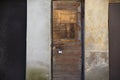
66,40
114,31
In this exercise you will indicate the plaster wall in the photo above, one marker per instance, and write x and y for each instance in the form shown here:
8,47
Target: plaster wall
96,40
38,36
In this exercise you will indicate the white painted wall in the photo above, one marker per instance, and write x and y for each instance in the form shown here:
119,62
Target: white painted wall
38,33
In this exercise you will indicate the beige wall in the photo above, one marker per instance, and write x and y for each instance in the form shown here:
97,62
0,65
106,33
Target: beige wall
96,39
96,24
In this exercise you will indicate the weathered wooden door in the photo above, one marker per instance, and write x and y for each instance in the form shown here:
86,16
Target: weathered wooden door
66,49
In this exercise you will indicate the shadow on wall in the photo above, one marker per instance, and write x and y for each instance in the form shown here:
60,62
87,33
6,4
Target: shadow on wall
36,74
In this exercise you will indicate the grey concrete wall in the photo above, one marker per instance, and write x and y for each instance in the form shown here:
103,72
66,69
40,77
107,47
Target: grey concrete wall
38,35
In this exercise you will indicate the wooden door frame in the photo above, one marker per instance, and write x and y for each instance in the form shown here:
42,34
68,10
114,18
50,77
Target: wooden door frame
82,38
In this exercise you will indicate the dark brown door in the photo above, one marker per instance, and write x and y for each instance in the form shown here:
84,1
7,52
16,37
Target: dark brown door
114,38
66,27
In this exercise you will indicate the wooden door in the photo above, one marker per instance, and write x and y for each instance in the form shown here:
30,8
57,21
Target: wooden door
66,31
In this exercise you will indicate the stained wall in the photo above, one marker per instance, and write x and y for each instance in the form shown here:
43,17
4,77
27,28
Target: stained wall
96,40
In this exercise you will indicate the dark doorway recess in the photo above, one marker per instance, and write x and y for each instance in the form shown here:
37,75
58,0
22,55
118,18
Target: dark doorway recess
12,39
114,40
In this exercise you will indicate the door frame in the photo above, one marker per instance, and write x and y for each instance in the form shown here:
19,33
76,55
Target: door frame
82,39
